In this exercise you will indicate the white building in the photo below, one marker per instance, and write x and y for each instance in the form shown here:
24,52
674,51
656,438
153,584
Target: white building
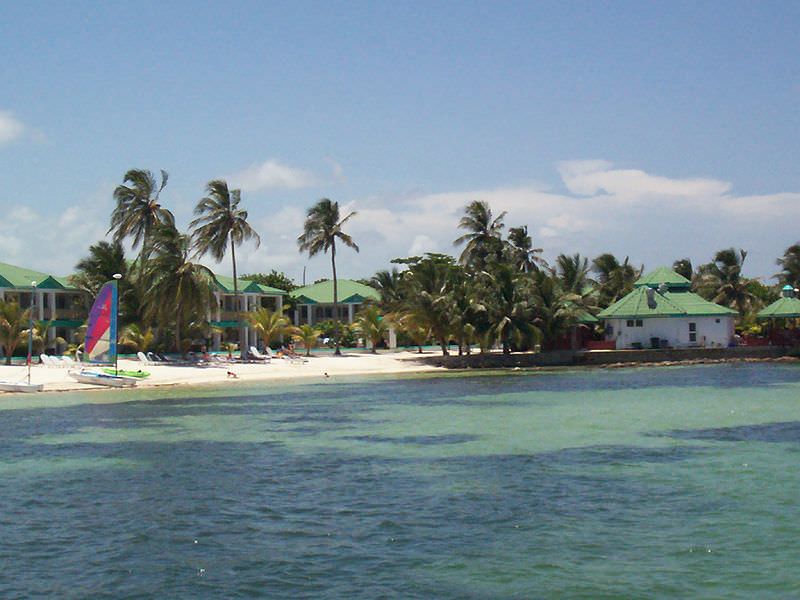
661,312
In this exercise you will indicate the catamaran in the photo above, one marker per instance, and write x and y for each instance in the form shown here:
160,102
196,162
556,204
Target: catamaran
100,346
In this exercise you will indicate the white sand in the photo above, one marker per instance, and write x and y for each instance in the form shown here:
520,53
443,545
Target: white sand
162,375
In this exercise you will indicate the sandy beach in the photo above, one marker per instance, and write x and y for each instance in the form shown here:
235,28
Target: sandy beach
57,379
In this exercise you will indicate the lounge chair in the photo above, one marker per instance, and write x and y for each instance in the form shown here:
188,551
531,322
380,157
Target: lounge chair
143,358
258,356
67,360
50,362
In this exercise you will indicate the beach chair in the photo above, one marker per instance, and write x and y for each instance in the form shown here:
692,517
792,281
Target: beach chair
50,362
68,362
258,356
143,358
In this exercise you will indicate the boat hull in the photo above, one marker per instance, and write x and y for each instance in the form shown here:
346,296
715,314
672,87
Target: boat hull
99,378
17,386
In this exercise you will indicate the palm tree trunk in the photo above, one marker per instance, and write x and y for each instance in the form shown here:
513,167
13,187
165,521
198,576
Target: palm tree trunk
178,328
336,327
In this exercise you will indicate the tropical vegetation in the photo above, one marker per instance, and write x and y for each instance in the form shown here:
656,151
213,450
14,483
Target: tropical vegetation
323,226
498,292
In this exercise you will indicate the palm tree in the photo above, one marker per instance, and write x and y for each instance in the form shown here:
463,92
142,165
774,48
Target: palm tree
556,309
721,281
390,286
308,335
270,324
504,298
13,327
137,336
371,325
322,227
615,278
484,234
98,268
179,288
683,267
430,302
573,273
138,212
220,221
790,266
525,257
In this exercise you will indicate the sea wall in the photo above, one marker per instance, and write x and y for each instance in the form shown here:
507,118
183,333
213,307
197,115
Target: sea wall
562,358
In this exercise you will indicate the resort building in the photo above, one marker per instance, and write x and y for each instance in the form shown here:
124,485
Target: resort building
225,317
662,312
53,299
315,302
783,317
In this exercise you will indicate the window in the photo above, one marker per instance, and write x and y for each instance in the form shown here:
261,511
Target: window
630,323
692,337
716,320
638,322
692,326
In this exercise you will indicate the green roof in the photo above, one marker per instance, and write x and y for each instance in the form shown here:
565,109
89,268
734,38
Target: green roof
349,292
636,305
225,284
782,308
20,278
663,275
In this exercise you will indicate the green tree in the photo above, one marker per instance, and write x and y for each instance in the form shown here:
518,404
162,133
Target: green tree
270,324
483,237
615,278
504,297
13,327
138,212
556,309
721,281
573,273
430,298
138,337
179,288
221,222
276,279
524,256
684,268
790,266
93,271
322,228
308,336
372,325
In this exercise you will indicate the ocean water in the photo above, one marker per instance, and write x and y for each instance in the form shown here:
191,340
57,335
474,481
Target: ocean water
646,483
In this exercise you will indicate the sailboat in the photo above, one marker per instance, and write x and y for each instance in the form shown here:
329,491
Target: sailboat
100,345
24,386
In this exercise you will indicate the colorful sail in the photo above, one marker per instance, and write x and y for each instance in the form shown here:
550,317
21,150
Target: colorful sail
101,331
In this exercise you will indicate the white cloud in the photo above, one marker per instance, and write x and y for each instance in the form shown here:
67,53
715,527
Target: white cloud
592,177
271,175
652,218
11,128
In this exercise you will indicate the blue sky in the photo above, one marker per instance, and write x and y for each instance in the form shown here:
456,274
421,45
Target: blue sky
651,130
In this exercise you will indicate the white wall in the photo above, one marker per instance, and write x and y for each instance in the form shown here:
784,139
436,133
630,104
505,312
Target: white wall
711,331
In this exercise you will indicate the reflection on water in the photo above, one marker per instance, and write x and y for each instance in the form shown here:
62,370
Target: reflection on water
583,484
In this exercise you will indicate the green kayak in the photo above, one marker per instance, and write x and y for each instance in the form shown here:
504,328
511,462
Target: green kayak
137,374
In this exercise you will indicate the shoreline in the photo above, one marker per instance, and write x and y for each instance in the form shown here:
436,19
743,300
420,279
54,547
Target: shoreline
329,368
318,367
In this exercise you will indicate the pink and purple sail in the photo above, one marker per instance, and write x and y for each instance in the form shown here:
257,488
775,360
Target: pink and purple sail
101,331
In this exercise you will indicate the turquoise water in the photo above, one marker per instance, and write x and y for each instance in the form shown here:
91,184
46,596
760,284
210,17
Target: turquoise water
672,482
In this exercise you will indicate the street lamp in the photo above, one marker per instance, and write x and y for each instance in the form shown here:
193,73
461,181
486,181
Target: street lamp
117,277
